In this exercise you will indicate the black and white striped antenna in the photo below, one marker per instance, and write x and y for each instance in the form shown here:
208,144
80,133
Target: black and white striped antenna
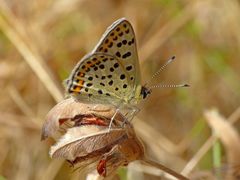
165,85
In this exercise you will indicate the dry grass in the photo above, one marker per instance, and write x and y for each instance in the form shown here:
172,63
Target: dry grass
41,41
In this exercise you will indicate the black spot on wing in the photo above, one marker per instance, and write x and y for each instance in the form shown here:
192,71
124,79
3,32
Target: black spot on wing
111,69
124,41
101,66
110,44
105,59
118,54
127,54
90,78
129,68
110,83
116,65
122,76
89,84
119,44
120,34
100,91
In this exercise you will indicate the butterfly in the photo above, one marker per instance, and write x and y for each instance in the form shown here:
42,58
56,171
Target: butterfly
110,73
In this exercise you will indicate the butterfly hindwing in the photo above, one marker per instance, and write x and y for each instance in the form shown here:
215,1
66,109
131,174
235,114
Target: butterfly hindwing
101,78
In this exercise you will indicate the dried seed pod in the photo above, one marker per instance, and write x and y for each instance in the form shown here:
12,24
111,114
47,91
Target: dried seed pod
85,140
109,150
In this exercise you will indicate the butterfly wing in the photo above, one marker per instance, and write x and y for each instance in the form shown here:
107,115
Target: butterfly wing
100,78
119,41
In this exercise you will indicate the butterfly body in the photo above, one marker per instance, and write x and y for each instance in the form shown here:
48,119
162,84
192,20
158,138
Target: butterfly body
110,73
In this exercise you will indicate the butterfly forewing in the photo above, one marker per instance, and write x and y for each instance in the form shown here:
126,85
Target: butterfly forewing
119,41
110,73
100,78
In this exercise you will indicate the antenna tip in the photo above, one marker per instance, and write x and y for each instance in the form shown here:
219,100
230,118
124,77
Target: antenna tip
186,85
173,57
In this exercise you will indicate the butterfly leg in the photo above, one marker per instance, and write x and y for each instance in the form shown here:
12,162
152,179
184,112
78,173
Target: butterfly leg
112,119
134,110
131,112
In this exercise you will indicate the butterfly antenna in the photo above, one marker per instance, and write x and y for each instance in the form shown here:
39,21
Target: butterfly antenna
169,86
161,68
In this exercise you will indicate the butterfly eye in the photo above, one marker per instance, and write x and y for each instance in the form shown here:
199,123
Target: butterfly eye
145,92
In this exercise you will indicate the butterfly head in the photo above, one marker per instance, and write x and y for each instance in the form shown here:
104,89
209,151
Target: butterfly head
145,92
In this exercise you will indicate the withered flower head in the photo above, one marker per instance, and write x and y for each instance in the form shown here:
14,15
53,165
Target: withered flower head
83,137
85,141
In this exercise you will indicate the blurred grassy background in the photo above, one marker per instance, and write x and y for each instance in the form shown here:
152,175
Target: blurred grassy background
41,41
